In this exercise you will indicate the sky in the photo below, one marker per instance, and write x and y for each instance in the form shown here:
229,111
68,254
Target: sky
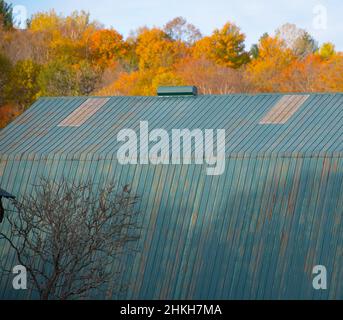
321,18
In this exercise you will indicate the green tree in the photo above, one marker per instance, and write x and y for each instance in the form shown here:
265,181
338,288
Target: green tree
23,87
254,51
5,70
88,77
6,15
58,79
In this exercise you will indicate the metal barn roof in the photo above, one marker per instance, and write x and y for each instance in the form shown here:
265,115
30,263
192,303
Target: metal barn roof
254,232
314,127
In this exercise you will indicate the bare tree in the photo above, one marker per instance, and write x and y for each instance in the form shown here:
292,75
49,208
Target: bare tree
297,39
211,78
68,236
180,30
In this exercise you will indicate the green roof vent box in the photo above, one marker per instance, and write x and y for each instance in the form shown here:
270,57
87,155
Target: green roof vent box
177,91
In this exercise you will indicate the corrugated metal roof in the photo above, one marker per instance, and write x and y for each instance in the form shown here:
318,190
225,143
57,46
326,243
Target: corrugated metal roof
5,194
256,231
314,127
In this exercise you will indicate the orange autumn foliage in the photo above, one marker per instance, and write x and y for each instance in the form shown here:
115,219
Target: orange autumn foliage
7,114
106,47
73,55
155,49
211,78
331,76
273,58
142,83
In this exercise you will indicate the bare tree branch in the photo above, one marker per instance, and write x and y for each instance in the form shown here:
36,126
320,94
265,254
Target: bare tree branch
68,235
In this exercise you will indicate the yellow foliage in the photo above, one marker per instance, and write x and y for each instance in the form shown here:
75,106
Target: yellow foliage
327,50
135,83
273,58
166,78
225,47
141,83
45,21
155,49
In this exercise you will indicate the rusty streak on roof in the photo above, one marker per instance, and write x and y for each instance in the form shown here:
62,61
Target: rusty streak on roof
284,109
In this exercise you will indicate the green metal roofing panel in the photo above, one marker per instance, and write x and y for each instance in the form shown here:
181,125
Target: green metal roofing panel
314,128
218,237
5,194
256,231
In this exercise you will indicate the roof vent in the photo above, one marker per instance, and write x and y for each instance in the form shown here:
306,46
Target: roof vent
177,91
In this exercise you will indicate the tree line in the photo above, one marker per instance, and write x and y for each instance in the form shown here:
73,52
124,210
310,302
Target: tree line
71,55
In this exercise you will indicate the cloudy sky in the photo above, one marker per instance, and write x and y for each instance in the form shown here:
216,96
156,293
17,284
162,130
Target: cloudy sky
322,18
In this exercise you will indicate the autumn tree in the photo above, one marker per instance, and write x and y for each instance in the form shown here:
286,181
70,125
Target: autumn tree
8,112
45,21
25,45
142,82
305,45
69,234
225,47
5,71
78,24
78,56
273,58
133,83
254,50
302,75
166,78
64,37
327,50
180,30
331,77
58,79
88,77
297,39
155,49
107,47
47,27
23,86
211,78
